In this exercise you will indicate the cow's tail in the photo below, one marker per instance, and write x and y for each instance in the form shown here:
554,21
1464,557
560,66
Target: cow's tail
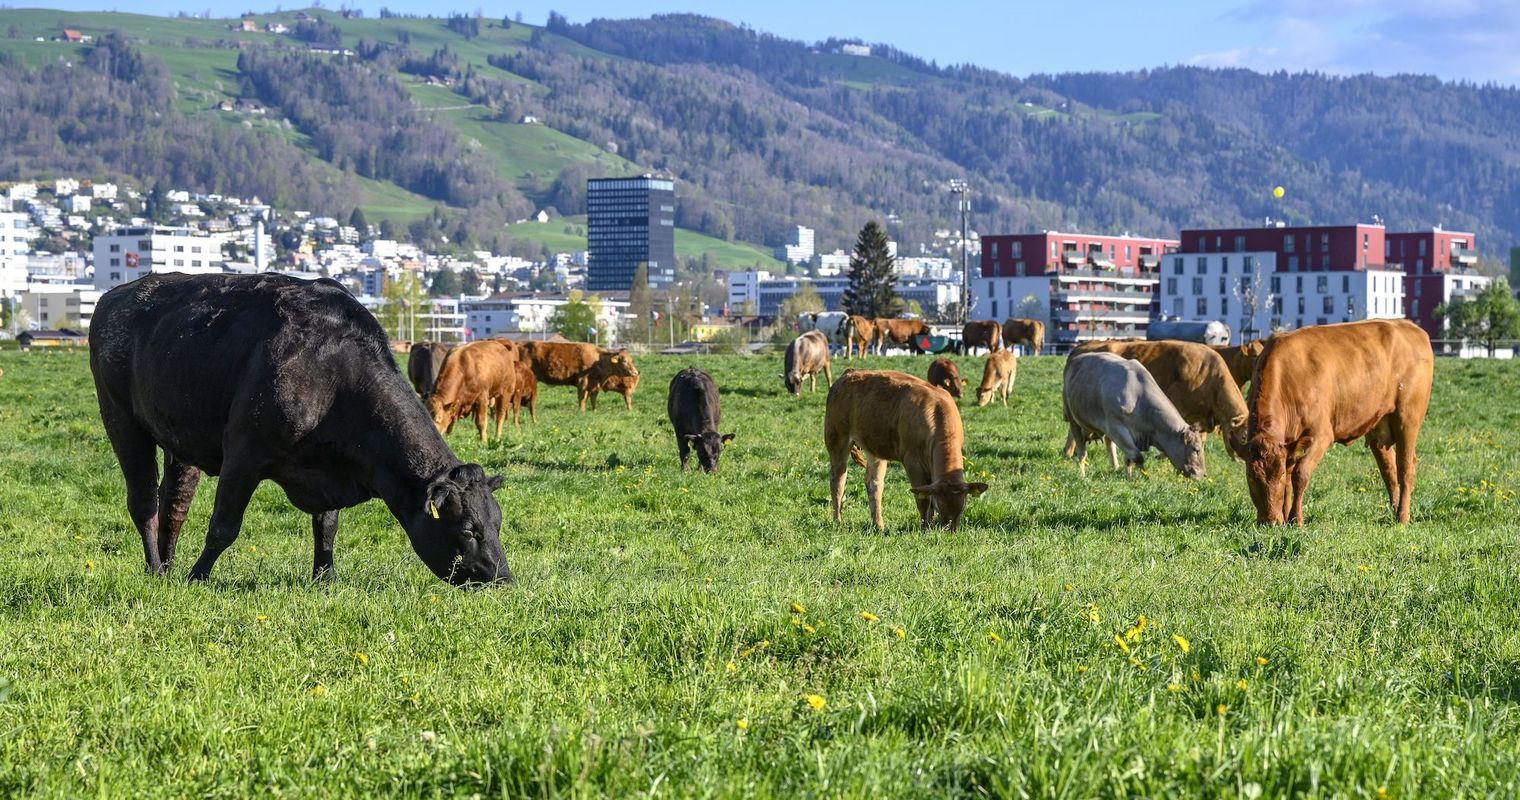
855,454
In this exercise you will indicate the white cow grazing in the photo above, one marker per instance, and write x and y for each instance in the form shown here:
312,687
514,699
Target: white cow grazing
835,326
1105,395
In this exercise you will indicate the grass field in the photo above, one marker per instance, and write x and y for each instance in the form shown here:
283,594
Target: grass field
651,646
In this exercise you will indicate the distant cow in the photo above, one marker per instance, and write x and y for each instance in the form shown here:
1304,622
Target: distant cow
268,377
942,373
476,376
984,333
1105,395
861,335
571,364
1240,359
835,327
892,416
1336,383
423,364
997,376
1027,332
692,404
613,384
903,332
1194,378
524,393
806,356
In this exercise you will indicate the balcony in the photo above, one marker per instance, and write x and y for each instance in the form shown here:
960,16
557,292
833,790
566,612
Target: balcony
1083,314
1069,295
1464,258
1150,262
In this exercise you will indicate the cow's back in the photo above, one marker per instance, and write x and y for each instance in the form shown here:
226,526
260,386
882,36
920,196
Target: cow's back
560,363
692,402
888,412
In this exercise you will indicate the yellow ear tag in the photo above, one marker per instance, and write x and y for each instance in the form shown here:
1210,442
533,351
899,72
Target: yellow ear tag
433,509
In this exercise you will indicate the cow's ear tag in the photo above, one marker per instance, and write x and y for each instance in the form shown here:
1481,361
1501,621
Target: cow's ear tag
433,509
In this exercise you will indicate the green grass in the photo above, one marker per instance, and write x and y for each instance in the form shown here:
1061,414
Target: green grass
689,244
1392,655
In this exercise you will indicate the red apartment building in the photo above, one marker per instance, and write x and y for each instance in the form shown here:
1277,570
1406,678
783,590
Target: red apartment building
1438,265
1300,249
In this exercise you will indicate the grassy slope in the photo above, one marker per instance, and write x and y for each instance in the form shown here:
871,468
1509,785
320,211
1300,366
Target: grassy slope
689,244
1392,658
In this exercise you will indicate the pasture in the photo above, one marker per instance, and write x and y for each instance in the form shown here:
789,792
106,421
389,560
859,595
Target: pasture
717,635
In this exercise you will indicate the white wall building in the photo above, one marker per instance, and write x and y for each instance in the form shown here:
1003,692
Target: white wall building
16,234
126,254
51,307
528,312
798,248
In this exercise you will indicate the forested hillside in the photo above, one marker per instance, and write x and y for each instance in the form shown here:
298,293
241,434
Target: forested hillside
456,125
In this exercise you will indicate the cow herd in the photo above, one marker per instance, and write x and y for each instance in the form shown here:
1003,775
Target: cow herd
854,335
267,377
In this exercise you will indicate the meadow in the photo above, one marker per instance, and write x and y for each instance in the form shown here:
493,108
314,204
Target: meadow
718,635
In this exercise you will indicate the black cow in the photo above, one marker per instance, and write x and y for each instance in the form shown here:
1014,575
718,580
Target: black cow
693,408
256,377
424,364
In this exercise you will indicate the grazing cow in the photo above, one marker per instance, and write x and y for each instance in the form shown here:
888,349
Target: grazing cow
475,376
942,373
904,332
835,327
692,404
997,377
892,416
524,392
1336,383
861,335
807,321
614,383
983,333
268,377
1105,395
1028,332
423,364
571,364
806,356
1194,378
1240,359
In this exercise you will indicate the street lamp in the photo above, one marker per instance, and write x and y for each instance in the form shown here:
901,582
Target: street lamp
962,193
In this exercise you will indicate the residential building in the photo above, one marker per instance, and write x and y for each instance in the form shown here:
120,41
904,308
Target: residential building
1439,265
1083,286
630,221
798,248
529,312
65,187
76,203
766,292
60,306
126,254
16,234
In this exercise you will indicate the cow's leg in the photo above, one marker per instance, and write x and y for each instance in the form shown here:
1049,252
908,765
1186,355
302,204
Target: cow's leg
1380,443
828,374
324,533
918,475
503,408
175,493
233,492
628,400
1076,446
137,454
1120,439
839,466
516,411
1303,470
582,391
483,419
1113,453
876,474
1405,437
533,408
685,448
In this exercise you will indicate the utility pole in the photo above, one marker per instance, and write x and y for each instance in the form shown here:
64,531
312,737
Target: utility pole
962,194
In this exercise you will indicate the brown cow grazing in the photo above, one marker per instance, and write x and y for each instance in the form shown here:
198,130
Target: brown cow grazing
806,356
1194,378
942,373
983,333
904,332
616,384
1240,359
476,375
524,393
1336,383
861,335
1028,332
423,364
997,376
571,364
892,416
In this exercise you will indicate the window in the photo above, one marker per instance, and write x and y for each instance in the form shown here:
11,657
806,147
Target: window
116,248
1324,243
179,262
1126,252
1292,263
1224,263
1221,284
1218,243
1277,306
1417,285
1298,284
1203,306
994,309
994,255
116,276
1240,243
1288,243
1203,265
179,248
1345,283
1414,309
1171,286
1224,307
1300,305
1197,286
1017,251
1419,265
1422,247
1177,307
1329,304
1351,308
1177,264
1322,284
1276,284
115,262
44,316
1366,243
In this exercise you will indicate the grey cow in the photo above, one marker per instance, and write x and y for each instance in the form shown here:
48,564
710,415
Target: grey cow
1105,395
806,356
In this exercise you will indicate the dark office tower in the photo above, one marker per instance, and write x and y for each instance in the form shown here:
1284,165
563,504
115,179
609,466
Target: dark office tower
630,221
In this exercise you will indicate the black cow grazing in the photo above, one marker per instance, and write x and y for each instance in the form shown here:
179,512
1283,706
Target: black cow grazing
424,364
256,377
693,408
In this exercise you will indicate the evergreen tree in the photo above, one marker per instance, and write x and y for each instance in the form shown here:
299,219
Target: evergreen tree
872,291
357,221
445,283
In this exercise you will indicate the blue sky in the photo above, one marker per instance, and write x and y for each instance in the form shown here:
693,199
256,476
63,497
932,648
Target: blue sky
1455,39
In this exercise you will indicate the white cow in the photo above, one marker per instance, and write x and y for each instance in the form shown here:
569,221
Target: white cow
835,326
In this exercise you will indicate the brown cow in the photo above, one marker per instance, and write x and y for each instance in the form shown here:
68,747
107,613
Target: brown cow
982,333
1336,383
861,335
997,376
1028,332
1241,360
900,331
476,375
619,384
1194,378
942,373
893,416
524,393
571,363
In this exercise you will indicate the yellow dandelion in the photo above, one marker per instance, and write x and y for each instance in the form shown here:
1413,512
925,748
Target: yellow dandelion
1174,687
1382,792
994,637
746,651
816,701
89,566
1196,677
1261,661
1220,709
1092,613
1118,640
260,618
253,548
213,647
900,633
868,616
318,690
809,629
1135,662
741,724
1182,644
798,609
1363,568
764,643
1133,634
361,658
1081,668
731,667
432,598
1242,685
1068,587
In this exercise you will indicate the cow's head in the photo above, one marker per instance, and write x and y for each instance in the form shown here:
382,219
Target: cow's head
1184,448
620,363
455,527
709,446
442,413
949,495
984,396
1267,478
793,381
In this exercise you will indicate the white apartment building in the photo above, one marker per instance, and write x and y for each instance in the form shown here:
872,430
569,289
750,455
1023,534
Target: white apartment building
51,307
126,254
798,248
528,312
16,234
